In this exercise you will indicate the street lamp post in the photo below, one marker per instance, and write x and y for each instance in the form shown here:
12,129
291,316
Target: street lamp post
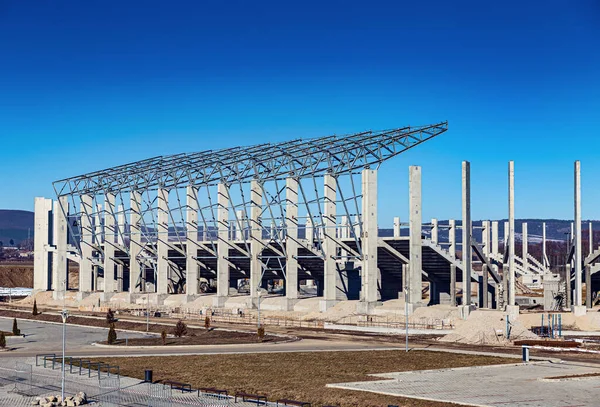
406,314
64,314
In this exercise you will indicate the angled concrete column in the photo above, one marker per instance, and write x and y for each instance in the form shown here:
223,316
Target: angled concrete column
222,245
578,308
434,231
415,298
396,227
494,248
511,234
466,232
191,249
524,242
41,244
135,243
330,289
162,251
291,243
87,234
256,269
109,244
369,239
60,277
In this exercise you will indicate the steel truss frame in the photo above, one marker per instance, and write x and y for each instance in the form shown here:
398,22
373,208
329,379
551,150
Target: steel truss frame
118,194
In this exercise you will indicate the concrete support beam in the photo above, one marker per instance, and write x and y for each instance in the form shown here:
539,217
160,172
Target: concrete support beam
577,258
330,291
485,237
483,283
511,234
415,220
590,238
222,245
434,231
41,243
256,269
525,243
60,276
453,285
369,239
544,255
87,235
309,231
588,287
162,268
109,243
120,225
494,248
466,231
136,282
291,242
396,227
452,238
191,251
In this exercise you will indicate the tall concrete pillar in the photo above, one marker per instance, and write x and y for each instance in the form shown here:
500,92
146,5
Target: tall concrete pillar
256,269
415,220
162,264
41,243
309,231
330,290
222,245
577,258
511,234
369,239
191,250
121,226
494,248
239,227
136,282
485,237
60,276
590,238
291,243
483,283
434,231
109,244
396,227
466,231
452,252
87,234
544,256
588,287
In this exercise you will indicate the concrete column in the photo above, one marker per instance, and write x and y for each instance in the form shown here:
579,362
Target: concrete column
98,235
434,231
109,244
466,231
494,248
256,270
485,237
590,238
396,227
525,241
452,238
191,249
415,220
343,229
369,240
356,226
578,258
291,243
86,232
222,245
544,256
485,272
60,277
135,243
121,226
330,294
453,285
162,264
41,244
588,287
309,231
511,233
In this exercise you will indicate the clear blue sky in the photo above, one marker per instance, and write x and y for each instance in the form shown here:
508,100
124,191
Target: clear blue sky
86,85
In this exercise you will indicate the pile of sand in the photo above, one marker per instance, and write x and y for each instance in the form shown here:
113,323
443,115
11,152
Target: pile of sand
488,328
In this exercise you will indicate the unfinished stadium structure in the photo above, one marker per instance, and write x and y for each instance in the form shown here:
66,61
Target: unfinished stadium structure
303,213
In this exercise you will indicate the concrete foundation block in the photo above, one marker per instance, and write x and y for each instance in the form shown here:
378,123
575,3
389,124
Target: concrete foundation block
465,310
324,305
412,306
367,308
512,311
219,301
579,310
105,297
287,304
82,294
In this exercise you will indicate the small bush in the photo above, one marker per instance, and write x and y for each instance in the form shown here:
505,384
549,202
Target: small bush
163,336
110,317
112,335
16,331
2,340
207,322
35,310
260,332
180,329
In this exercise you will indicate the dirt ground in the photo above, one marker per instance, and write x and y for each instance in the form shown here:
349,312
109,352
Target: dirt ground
299,376
212,337
16,274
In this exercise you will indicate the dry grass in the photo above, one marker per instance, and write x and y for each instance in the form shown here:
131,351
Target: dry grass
300,376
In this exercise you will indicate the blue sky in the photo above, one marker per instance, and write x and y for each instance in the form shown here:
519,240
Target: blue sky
88,85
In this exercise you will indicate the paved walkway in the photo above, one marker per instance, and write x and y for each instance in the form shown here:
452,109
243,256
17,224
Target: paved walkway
493,386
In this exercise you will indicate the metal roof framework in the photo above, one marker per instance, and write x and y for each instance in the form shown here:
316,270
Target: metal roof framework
305,160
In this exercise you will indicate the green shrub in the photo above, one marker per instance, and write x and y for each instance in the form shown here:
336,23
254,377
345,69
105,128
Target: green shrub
16,331
2,340
180,329
261,333
163,336
207,322
35,310
112,335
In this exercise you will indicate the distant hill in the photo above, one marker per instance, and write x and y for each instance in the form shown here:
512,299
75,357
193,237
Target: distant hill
15,225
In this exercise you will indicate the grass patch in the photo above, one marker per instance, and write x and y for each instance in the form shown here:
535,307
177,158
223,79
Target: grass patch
301,375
